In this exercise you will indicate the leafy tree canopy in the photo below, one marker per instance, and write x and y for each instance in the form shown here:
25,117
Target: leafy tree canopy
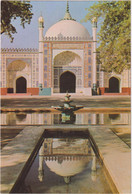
114,35
11,10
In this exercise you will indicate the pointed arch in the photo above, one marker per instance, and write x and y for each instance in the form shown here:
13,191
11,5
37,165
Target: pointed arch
113,85
67,82
21,85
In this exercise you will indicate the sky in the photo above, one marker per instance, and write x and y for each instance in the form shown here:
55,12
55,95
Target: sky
52,11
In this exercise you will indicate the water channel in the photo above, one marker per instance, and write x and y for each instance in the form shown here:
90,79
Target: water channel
66,163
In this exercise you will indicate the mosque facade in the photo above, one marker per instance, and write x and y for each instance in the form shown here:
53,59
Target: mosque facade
64,62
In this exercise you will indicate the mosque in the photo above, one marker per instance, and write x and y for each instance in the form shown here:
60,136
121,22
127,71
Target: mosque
64,62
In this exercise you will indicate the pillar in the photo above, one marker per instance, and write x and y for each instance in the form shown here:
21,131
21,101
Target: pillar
94,28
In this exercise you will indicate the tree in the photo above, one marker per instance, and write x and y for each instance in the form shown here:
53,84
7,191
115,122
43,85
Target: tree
11,10
114,35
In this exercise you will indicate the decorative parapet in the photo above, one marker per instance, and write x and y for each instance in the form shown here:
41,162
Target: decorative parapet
16,50
67,38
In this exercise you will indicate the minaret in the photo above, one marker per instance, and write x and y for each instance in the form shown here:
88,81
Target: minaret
41,28
94,28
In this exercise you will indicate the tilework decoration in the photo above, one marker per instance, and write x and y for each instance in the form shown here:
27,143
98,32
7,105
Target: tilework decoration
87,65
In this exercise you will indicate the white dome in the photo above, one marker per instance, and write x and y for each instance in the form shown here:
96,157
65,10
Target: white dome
68,28
68,168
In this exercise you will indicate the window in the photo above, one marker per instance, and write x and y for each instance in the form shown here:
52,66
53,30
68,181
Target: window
45,45
45,59
89,52
45,52
45,68
89,68
89,75
45,75
89,83
89,45
45,84
89,59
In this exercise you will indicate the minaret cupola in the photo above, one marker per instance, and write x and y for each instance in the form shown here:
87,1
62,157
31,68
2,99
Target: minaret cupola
41,22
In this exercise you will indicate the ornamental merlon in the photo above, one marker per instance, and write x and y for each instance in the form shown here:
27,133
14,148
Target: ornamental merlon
20,50
67,39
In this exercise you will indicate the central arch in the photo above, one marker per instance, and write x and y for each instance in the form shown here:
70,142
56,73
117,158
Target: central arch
113,85
67,82
21,85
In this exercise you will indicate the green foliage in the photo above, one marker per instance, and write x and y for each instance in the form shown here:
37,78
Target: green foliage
11,10
114,35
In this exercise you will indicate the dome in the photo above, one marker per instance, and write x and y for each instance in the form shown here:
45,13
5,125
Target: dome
68,28
68,168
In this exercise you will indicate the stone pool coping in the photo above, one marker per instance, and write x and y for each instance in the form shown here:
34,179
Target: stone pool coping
16,154
116,155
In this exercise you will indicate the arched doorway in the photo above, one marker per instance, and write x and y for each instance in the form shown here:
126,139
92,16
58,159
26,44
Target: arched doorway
21,85
113,85
67,82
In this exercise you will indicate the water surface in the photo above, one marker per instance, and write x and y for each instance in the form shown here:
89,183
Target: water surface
66,165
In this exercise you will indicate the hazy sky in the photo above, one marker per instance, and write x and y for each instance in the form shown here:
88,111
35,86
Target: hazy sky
52,11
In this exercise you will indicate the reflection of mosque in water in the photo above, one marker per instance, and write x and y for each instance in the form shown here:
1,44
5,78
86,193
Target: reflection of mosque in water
66,157
22,118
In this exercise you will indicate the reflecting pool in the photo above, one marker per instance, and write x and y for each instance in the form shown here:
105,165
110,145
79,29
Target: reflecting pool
66,164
